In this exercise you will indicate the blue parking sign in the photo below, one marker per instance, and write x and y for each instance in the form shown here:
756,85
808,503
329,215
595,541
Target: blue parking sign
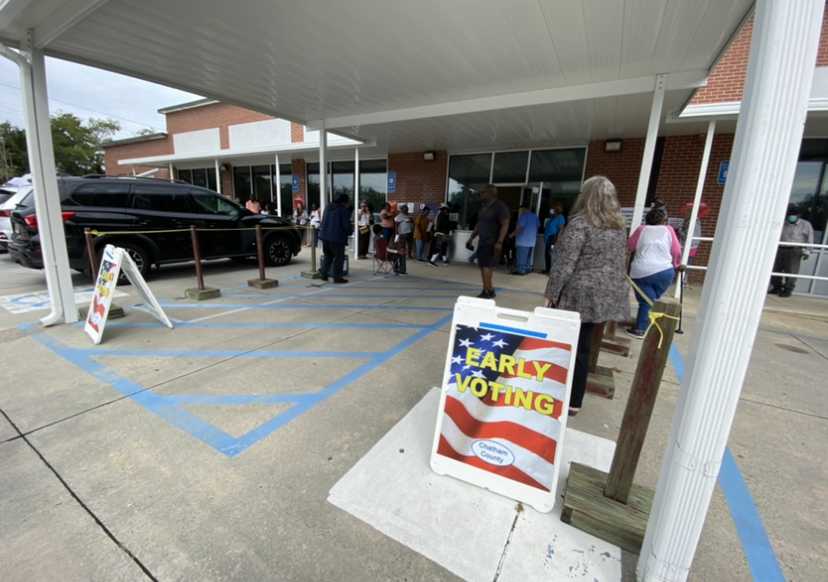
724,166
295,184
392,181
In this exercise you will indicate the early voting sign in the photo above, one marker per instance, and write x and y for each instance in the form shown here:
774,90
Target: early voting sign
505,398
113,260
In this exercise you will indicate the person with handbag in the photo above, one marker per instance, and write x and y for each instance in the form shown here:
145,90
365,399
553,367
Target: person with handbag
365,219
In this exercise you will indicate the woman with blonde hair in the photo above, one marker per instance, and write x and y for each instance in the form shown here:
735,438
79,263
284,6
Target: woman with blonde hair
588,271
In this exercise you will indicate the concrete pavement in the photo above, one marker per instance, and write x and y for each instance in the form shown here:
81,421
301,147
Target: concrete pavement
207,452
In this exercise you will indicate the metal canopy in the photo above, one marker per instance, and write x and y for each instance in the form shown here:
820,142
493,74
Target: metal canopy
342,63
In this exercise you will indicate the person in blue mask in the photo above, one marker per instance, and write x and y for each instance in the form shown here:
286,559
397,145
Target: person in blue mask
551,230
788,258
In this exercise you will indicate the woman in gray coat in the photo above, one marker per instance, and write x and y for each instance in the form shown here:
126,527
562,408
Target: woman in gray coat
588,271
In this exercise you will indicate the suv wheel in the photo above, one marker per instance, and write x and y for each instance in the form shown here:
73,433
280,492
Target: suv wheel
140,257
277,251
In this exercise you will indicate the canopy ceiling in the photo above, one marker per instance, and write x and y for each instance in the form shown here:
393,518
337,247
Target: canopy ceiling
343,62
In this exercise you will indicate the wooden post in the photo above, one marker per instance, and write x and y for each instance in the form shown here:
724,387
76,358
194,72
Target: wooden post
611,506
612,343
642,399
314,272
200,292
595,346
600,380
91,254
262,282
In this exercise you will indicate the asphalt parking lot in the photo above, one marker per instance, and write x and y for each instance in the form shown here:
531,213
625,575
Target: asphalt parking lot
207,452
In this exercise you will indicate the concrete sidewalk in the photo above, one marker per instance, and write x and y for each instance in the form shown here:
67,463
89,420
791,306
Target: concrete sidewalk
207,452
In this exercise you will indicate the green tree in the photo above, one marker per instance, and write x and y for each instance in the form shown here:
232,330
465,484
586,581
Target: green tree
77,145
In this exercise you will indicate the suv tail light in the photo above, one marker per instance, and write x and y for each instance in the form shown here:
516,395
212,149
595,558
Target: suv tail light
31,219
5,213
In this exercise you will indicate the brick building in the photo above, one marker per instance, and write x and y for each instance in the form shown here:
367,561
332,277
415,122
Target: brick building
247,154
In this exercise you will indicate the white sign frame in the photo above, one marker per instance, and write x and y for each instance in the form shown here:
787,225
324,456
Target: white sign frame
113,260
558,326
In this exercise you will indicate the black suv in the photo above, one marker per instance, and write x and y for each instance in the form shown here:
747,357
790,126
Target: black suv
145,204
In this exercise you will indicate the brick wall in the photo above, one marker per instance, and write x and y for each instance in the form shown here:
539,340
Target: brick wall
219,115
419,180
620,167
727,78
154,147
297,133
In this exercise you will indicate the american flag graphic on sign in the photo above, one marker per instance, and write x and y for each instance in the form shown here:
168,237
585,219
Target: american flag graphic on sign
504,400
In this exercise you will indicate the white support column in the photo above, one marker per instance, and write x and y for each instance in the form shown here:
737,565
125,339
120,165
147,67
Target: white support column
171,171
323,169
47,197
763,161
356,203
649,150
278,185
694,213
218,175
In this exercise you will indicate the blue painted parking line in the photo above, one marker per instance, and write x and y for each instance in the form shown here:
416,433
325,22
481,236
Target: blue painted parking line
172,408
259,306
265,325
150,353
758,550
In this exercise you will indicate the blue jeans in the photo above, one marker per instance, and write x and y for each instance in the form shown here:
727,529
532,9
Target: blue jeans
420,246
653,287
524,259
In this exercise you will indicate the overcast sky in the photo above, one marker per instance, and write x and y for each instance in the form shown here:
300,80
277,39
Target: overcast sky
89,92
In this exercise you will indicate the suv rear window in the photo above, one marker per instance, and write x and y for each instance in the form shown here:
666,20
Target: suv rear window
163,199
103,194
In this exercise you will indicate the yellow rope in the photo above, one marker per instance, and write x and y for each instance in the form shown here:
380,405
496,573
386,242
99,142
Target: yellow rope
99,233
654,315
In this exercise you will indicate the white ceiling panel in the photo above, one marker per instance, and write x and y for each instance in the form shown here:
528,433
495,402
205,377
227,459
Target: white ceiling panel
319,59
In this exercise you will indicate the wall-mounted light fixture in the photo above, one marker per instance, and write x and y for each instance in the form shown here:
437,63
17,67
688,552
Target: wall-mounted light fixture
613,145
428,156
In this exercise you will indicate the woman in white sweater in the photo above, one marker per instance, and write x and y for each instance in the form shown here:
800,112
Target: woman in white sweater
656,255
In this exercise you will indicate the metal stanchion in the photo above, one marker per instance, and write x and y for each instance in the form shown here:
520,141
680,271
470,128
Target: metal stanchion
682,281
314,272
262,282
201,292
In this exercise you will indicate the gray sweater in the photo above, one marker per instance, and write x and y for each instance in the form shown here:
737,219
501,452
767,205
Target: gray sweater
588,272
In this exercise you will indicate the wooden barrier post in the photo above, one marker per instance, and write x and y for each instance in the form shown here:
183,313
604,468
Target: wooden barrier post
200,292
262,282
613,344
610,506
115,311
314,272
600,380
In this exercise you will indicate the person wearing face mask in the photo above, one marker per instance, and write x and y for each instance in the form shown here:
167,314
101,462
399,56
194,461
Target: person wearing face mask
551,230
797,230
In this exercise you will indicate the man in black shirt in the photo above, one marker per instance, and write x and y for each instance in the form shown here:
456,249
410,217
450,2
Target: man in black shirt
492,227
442,231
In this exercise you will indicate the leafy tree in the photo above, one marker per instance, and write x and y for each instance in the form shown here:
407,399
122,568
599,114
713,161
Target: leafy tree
77,145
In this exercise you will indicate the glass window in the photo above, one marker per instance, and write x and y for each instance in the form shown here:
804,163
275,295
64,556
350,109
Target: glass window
199,177
215,204
284,188
261,183
557,165
467,175
185,175
373,183
313,184
163,199
211,179
242,185
103,194
510,167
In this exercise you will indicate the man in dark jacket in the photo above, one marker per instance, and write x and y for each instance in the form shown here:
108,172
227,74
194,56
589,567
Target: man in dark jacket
334,231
